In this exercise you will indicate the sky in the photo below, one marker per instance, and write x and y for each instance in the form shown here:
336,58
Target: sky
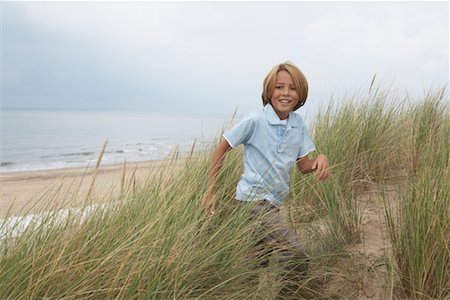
212,57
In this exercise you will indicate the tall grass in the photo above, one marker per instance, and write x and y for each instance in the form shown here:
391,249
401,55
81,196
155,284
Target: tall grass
154,240
157,244
420,232
360,135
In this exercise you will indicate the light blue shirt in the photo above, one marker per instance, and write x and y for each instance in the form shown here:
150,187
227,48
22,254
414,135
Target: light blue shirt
271,149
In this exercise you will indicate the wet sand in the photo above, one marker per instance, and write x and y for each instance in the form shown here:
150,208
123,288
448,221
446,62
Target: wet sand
29,192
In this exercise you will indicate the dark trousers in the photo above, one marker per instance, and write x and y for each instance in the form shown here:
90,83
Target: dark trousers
279,239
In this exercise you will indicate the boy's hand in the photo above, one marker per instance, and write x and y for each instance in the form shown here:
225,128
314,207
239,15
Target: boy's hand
210,204
320,165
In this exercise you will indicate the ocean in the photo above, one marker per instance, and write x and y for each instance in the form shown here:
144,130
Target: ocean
46,140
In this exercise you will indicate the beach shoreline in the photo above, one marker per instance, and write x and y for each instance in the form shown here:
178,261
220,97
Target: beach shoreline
35,191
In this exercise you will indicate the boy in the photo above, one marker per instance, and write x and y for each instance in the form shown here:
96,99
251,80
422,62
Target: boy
274,139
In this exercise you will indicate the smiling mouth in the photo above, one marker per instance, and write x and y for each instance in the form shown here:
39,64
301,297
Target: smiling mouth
285,101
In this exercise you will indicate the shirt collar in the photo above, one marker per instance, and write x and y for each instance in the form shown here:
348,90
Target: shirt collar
275,120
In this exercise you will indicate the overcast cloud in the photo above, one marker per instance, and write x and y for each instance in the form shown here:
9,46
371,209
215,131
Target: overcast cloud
211,57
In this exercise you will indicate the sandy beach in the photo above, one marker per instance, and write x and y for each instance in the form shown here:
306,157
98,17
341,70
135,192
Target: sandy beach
29,192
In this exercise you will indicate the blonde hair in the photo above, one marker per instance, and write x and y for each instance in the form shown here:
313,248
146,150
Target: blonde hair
301,85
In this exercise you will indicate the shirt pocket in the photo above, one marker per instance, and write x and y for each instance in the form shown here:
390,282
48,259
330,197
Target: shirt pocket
292,144
292,150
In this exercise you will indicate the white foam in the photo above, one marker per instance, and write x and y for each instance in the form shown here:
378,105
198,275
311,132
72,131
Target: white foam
15,226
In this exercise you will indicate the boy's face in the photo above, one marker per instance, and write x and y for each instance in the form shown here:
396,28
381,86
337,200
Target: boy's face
284,97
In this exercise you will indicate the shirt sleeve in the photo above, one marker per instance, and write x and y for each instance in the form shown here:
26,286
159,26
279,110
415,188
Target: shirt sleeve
307,144
241,133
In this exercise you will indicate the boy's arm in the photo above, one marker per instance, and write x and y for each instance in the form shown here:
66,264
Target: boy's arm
210,200
318,164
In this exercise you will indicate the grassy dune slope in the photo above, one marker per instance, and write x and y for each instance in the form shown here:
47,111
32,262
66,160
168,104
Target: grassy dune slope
378,228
